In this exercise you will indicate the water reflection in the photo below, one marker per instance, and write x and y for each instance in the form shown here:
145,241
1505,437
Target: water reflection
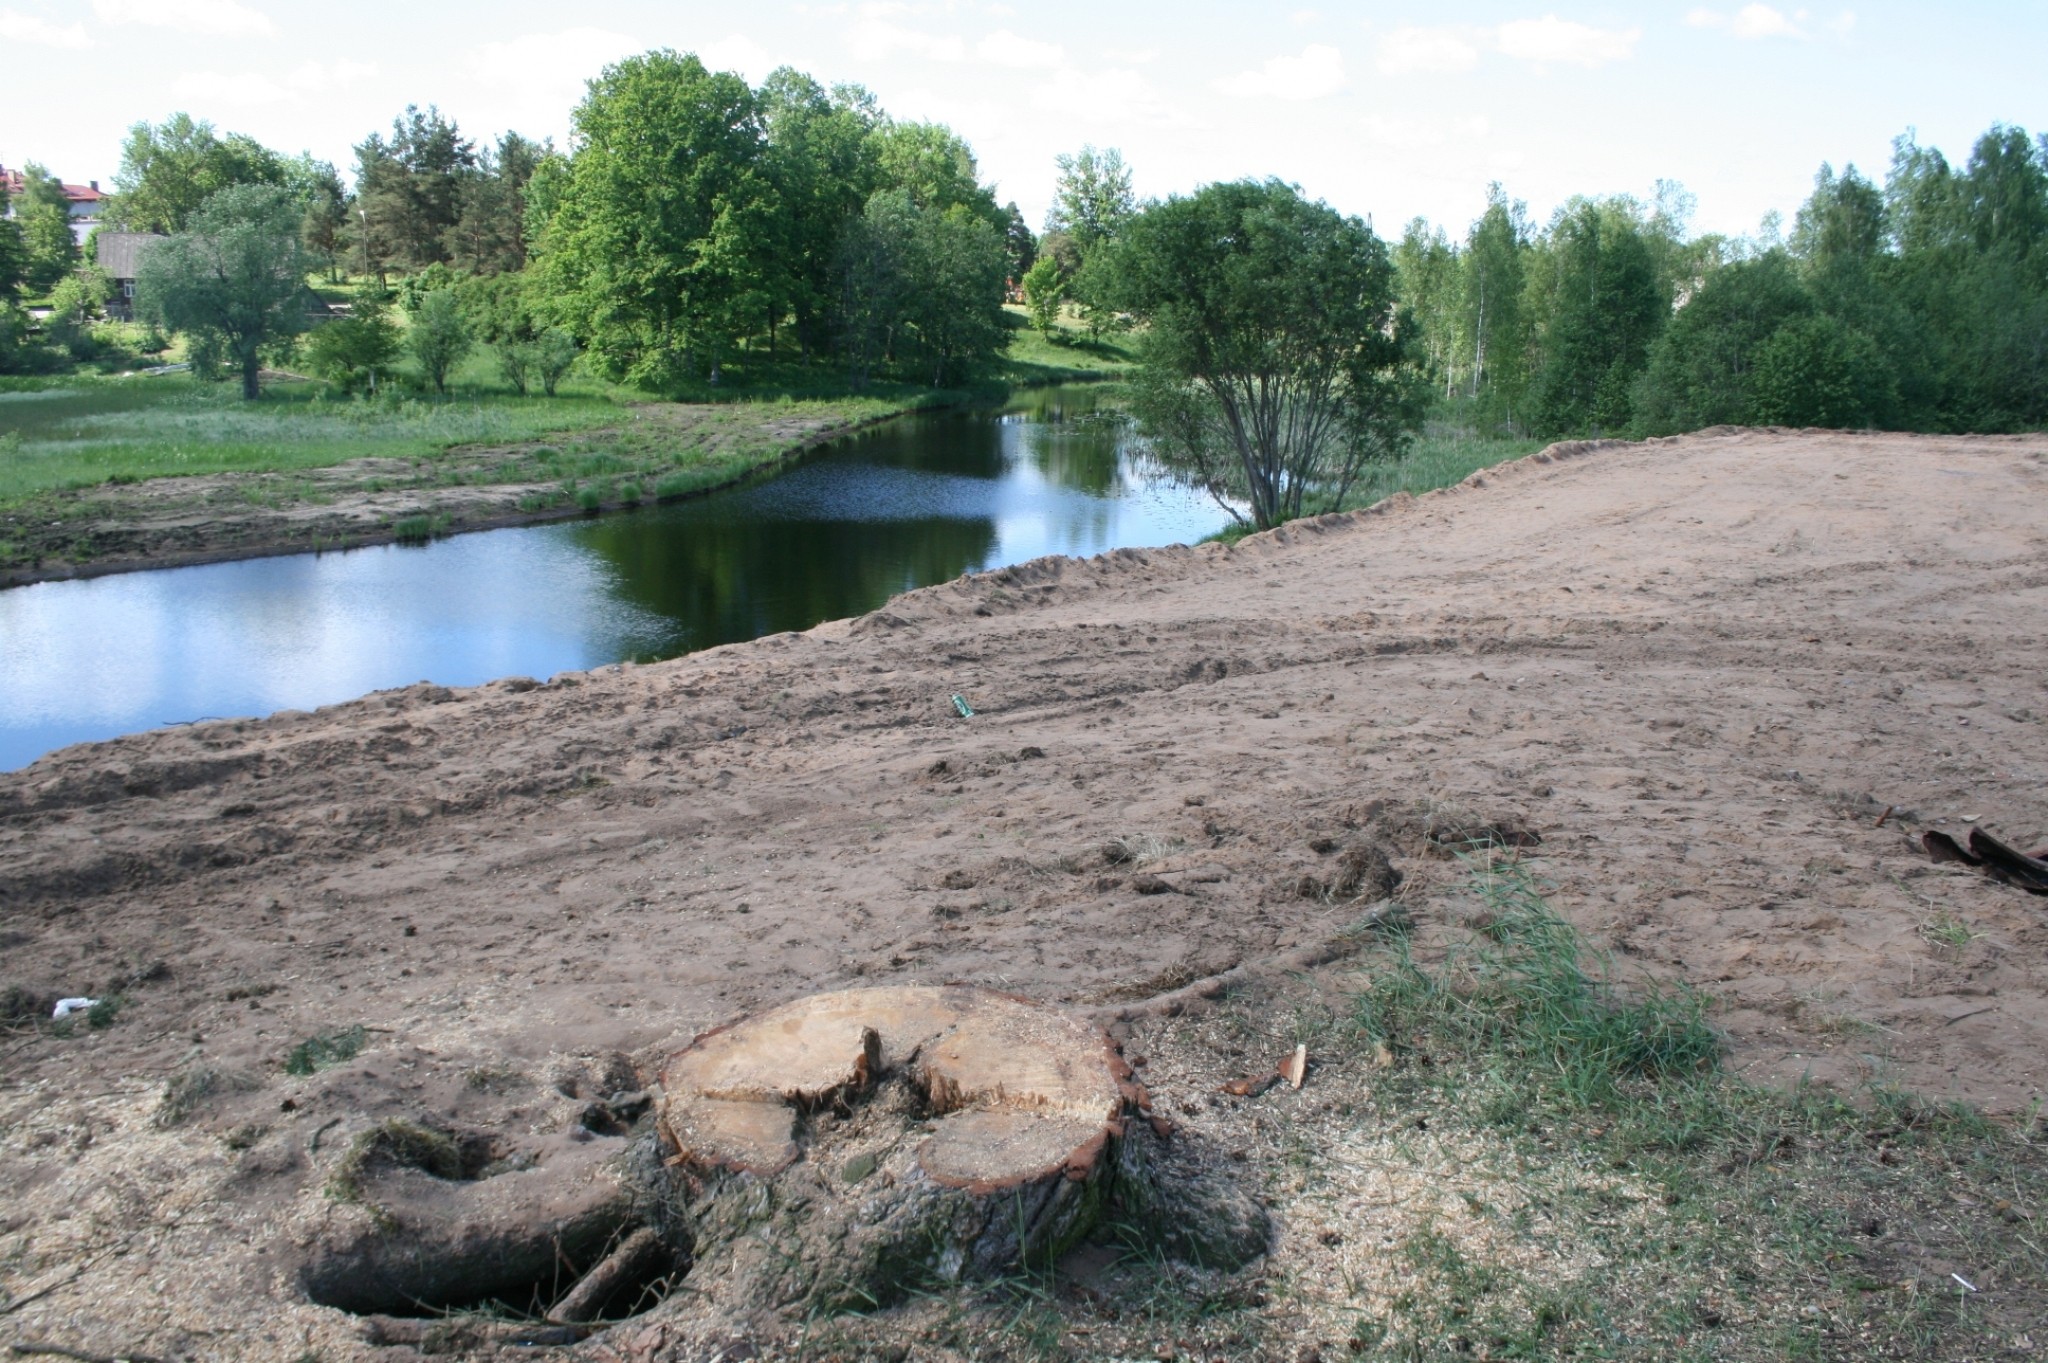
914,502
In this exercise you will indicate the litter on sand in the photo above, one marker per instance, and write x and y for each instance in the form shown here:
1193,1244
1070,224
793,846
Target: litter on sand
960,704
66,1007
2027,870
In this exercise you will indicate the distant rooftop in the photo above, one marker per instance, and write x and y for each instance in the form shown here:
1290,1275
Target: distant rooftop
89,193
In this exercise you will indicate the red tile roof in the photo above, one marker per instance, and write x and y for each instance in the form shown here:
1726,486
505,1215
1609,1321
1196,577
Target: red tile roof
13,182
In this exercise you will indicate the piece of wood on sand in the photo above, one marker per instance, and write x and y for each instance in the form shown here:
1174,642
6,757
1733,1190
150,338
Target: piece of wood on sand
849,1148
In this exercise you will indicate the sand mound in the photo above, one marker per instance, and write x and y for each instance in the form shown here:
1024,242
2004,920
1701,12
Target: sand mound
1699,671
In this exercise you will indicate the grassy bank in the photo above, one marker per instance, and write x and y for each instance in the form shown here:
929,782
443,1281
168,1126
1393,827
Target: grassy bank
1437,458
87,462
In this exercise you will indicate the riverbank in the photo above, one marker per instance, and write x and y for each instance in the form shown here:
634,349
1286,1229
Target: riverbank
1711,690
645,452
103,475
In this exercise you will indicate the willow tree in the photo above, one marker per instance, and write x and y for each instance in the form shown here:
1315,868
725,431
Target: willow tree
234,280
1274,368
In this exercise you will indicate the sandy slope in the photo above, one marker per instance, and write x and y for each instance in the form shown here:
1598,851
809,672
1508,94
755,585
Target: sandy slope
1698,668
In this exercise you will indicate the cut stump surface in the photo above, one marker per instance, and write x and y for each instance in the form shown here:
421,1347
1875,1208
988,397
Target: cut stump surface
1019,1091
849,1146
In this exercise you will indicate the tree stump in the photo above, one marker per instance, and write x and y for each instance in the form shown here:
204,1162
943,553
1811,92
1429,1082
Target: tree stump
845,1149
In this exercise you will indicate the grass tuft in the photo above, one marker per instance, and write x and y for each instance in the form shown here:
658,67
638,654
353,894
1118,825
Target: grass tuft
423,529
321,1052
1537,1001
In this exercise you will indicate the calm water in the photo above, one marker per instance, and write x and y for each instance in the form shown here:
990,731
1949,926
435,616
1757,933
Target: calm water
917,501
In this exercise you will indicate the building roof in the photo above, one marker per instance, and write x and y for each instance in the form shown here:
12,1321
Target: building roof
119,253
14,182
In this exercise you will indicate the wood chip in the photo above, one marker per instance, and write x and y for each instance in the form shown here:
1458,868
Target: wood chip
1295,1067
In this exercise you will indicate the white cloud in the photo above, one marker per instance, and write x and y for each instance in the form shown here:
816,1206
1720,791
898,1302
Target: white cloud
1762,21
1553,41
1112,97
551,63
215,18
248,88
1318,71
1004,48
875,38
1439,51
26,28
738,52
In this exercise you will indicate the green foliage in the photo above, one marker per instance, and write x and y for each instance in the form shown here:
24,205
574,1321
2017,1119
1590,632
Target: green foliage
1921,305
1044,291
1602,304
325,226
168,172
13,257
1702,371
652,247
1018,241
1274,369
439,336
408,196
1815,371
934,166
235,281
325,1051
78,299
1093,201
552,356
49,250
821,160
352,351
920,286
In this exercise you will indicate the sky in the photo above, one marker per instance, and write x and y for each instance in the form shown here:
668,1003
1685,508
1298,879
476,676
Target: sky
1388,111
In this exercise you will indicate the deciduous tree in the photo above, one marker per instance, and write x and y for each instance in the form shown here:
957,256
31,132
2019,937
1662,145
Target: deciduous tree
234,279
438,336
653,250
1273,368
49,249
169,170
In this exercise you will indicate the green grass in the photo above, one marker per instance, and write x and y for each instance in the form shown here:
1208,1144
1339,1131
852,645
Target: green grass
1436,459
1616,1193
419,529
88,432
1532,997
1069,353
321,1052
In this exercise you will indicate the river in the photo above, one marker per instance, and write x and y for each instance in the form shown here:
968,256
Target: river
918,500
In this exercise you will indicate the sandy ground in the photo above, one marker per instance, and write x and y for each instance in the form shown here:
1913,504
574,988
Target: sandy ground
1699,669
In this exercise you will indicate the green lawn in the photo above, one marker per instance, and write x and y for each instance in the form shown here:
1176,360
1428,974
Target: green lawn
81,432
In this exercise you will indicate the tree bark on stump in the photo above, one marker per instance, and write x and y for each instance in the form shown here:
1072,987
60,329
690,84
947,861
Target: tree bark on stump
848,1148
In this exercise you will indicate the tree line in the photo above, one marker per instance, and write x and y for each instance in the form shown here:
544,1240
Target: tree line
698,222
1918,304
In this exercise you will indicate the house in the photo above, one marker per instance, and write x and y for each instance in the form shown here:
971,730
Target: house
120,254
84,201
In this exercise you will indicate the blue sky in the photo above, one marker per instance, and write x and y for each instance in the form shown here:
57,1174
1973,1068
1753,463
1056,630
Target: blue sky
1388,110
